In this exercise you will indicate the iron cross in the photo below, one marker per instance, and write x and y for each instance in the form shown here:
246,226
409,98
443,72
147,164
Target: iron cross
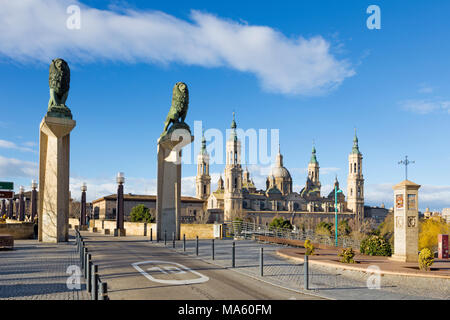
406,162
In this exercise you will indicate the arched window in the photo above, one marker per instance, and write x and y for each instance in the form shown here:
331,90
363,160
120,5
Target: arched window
204,189
235,183
351,192
354,167
350,168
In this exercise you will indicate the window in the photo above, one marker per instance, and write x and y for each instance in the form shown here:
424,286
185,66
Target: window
235,182
350,168
354,167
351,192
204,189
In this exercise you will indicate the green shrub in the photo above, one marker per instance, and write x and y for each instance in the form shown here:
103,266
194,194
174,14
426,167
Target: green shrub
344,228
309,248
347,255
280,223
141,213
426,259
375,246
324,228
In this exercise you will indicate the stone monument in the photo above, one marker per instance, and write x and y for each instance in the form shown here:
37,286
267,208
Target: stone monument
406,221
170,143
54,156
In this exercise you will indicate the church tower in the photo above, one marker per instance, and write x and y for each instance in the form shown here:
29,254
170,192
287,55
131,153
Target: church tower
233,176
355,182
203,180
313,170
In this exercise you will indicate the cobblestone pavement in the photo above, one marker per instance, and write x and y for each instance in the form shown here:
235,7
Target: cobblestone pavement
323,281
37,271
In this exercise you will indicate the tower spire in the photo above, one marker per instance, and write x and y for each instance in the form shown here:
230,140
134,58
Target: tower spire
313,154
355,148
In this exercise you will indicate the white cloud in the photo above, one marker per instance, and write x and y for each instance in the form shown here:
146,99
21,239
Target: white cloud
426,106
11,145
35,30
14,168
424,88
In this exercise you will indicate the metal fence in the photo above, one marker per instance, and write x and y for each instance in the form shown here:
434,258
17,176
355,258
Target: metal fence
250,231
94,285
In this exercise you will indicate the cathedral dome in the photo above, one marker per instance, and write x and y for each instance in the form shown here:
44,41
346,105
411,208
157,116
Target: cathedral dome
280,172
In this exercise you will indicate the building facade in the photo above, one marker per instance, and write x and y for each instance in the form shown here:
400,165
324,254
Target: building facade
237,195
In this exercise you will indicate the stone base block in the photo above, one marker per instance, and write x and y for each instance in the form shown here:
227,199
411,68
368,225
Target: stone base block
119,233
404,258
106,231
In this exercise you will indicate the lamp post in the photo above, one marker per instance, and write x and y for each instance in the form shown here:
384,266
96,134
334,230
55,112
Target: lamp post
34,186
83,206
120,179
336,191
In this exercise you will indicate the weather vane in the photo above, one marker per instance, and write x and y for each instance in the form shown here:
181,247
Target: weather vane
406,162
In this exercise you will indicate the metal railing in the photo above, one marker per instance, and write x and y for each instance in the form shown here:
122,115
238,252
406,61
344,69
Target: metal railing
251,231
94,285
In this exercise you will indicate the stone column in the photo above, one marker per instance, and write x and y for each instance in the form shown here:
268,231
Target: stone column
11,208
406,222
168,201
21,205
33,204
3,207
83,208
54,157
120,214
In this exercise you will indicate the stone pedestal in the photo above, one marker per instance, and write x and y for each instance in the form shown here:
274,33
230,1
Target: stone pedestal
168,202
54,156
120,232
406,222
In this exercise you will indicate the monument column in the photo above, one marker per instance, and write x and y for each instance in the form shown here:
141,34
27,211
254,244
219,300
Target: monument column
33,200
11,208
21,204
406,222
83,207
54,158
170,143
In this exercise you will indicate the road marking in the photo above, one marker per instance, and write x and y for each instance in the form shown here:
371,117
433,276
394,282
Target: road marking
176,268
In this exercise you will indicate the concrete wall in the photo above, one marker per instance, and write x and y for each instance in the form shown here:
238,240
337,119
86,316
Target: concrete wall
24,230
203,231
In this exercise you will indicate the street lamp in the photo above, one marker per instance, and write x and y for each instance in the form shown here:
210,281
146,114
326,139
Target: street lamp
120,179
34,186
336,191
83,205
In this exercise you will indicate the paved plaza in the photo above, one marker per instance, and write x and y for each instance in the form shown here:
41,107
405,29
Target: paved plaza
37,271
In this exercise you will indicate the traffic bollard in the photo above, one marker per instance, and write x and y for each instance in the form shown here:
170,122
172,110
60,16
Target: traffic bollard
104,288
261,262
151,234
184,243
89,274
165,237
196,245
233,255
212,249
173,240
94,275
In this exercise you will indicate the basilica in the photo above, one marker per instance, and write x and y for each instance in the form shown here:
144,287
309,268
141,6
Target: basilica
236,194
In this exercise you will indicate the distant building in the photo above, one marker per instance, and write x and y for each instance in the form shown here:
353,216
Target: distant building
105,207
446,214
376,213
236,194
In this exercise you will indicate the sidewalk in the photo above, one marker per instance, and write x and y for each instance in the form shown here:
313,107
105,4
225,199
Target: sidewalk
328,257
288,273
37,271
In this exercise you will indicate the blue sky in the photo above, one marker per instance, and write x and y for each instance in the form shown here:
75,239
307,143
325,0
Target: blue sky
391,84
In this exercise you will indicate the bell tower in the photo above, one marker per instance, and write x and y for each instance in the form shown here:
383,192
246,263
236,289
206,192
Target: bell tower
233,176
203,179
355,182
313,169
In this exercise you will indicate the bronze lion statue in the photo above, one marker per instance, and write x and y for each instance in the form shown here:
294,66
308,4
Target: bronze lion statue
59,83
179,108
